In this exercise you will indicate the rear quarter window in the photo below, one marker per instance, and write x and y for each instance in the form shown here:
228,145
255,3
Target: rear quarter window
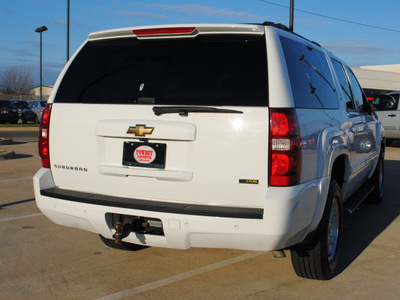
344,84
310,76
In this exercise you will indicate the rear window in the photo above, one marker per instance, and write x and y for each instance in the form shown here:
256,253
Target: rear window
6,104
310,76
206,70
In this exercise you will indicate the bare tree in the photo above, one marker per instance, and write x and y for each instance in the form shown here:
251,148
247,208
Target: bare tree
16,80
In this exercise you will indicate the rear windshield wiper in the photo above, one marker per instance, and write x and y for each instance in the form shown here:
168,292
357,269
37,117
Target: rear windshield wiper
185,110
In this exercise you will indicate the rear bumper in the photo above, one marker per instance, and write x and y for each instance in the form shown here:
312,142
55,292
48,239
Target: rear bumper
154,206
285,219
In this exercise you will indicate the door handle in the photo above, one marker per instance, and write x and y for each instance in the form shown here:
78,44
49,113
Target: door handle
391,115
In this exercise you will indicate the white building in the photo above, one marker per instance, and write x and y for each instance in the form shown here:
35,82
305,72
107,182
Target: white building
380,79
46,91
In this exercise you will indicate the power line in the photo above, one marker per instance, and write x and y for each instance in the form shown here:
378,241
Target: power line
332,18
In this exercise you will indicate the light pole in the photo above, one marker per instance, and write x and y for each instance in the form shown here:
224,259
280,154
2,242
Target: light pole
67,30
40,30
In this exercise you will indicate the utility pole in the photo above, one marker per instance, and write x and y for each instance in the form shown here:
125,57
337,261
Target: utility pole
291,15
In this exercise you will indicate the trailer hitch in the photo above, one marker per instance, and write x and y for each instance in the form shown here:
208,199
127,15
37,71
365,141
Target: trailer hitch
121,231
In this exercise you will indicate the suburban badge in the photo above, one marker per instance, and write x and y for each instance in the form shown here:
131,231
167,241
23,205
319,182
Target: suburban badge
140,130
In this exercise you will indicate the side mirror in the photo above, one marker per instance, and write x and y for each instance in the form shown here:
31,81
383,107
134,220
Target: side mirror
366,108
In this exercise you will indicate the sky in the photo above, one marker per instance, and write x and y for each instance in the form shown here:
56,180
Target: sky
358,31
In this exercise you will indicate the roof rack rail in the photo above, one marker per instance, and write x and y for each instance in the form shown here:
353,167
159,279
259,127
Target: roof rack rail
277,25
316,43
283,27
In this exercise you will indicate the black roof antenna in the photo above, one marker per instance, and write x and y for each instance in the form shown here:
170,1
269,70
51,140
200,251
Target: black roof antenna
291,15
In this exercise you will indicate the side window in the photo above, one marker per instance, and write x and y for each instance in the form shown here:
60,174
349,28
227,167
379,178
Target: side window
310,76
396,98
386,102
344,84
356,90
7,104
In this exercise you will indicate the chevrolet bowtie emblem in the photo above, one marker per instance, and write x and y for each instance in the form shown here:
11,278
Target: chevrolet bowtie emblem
140,130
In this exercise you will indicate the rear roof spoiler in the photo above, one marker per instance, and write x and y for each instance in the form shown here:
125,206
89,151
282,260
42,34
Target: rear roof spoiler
173,31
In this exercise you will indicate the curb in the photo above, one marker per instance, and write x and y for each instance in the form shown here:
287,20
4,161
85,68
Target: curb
7,155
4,141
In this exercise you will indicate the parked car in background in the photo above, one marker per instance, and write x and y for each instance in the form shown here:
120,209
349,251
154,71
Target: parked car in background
8,112
21,105
33,112
28,115
388,111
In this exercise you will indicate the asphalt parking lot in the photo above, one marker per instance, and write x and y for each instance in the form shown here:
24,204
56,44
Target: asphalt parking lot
41,260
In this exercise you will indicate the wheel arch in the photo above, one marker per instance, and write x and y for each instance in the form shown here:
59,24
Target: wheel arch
339,170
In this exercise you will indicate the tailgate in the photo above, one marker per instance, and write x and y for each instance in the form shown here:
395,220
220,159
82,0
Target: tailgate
210,158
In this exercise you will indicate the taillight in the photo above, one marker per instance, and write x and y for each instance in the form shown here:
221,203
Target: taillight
44,136
284,148
169,30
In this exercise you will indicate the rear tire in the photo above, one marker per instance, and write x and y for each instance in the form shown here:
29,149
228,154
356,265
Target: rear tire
318,259
123,246
377,180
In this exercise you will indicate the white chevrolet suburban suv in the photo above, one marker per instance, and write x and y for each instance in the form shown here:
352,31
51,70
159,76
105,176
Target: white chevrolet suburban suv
243,136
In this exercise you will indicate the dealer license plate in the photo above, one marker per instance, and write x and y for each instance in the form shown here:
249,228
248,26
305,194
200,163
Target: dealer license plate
147,155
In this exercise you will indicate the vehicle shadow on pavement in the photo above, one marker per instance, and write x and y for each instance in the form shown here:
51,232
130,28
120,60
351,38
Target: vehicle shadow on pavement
18,143
16,203
25,142
19,156
370,220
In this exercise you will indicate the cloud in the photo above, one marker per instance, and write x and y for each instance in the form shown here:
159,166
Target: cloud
59,22
63,21
363,56
31,42
195,9
359,47
189,9
139,14
17,52
54,66
310,23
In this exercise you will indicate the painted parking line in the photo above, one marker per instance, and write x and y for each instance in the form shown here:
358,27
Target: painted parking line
16,179
179,277
20,217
